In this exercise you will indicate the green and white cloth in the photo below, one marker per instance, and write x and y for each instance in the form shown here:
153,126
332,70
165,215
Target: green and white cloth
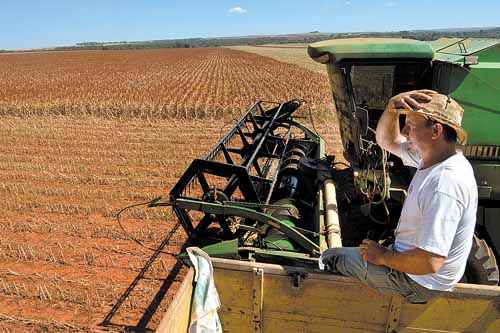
206,302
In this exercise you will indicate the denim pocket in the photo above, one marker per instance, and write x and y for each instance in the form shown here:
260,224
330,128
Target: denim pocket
415,298
420,296
382,279
405,288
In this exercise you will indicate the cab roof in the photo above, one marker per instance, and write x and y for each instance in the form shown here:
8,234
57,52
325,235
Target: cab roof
455,49
369,48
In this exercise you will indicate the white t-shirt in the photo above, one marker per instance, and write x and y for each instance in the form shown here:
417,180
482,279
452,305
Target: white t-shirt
439,216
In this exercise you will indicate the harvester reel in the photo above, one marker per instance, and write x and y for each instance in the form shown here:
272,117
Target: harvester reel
239,181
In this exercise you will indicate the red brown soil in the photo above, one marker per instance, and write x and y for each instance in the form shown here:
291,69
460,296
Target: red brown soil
152,83
64,261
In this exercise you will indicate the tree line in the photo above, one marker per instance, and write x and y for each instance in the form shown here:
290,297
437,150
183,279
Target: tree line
306,38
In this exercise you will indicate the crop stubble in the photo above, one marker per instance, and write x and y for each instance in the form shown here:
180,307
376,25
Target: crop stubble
293,54
176,83
86,133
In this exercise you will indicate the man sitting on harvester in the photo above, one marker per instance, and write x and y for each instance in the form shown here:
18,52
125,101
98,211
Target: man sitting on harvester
434,234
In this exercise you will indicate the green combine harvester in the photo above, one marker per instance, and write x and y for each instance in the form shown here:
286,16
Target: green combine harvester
267,200
365,73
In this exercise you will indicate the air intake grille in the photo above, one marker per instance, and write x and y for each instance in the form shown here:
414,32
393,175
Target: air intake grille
482,152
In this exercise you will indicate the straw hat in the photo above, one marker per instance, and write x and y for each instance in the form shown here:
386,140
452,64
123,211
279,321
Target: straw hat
445,110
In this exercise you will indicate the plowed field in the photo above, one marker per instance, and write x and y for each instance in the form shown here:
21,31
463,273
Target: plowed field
84,134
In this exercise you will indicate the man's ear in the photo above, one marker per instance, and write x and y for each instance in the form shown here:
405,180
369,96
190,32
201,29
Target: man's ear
437,130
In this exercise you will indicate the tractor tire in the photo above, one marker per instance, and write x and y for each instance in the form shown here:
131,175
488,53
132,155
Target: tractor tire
481,266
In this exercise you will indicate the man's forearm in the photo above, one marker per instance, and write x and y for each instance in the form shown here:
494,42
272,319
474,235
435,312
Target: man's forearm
415,261
388,135
388,129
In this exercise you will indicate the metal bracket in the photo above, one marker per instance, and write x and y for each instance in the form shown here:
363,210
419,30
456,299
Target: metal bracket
471,60
297,278
257,299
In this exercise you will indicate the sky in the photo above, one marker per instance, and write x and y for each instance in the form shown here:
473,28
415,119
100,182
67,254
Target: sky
26,24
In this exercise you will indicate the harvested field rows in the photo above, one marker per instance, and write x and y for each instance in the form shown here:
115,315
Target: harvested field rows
63,260
293,54
179,83
79,141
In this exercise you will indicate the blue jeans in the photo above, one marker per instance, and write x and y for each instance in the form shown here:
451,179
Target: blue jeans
347,261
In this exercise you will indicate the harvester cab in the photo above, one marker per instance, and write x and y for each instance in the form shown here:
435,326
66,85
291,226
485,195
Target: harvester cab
364,73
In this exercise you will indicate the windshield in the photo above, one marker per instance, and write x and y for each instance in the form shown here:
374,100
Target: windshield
373,85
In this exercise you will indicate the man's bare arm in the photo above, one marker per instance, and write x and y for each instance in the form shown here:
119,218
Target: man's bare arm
415,261
388,135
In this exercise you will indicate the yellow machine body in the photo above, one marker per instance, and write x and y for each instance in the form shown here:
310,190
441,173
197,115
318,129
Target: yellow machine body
269,298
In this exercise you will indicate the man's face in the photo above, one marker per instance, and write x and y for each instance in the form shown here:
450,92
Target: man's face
418,132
